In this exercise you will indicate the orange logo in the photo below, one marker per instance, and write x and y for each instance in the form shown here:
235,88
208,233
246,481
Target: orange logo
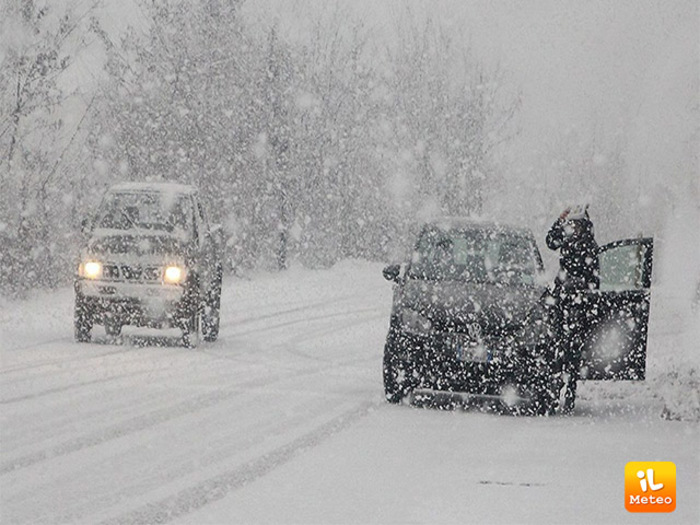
650,486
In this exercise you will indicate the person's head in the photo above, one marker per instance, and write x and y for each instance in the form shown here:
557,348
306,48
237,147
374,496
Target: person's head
577,221
578,212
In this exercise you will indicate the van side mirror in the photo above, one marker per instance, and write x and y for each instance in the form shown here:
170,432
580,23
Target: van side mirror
391,272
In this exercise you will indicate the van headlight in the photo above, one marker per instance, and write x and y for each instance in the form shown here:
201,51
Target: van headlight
173,274
414,323
90,270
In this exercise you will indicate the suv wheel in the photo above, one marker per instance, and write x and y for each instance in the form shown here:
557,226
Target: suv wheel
82,320
191,323
212,308
190,329
113,327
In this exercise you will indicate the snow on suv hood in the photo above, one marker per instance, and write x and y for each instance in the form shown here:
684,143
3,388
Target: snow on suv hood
136,244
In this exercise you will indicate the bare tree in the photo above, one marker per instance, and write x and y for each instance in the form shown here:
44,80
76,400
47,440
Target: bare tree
449,113
35,141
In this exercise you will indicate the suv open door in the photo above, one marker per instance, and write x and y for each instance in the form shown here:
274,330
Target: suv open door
616,341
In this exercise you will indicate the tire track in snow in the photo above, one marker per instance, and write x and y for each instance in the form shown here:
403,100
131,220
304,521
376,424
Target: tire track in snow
149,420
306,320
165,414
116,431
216,488
127,346
40,343
181,468
292,346
66,388
296,309
58,362
309,335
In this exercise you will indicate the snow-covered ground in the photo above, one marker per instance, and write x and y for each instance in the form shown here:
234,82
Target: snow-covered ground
283,421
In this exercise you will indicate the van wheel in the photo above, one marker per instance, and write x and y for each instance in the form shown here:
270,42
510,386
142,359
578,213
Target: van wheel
569,394
398,381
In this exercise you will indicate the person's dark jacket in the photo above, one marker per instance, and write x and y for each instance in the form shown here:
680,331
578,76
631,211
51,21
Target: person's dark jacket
578,254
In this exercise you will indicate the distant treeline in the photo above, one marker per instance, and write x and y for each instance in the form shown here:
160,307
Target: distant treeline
317,149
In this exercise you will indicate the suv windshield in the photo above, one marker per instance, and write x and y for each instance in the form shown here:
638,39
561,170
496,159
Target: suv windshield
474,256
150,211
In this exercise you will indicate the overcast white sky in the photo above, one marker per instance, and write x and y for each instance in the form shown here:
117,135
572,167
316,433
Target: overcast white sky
611,63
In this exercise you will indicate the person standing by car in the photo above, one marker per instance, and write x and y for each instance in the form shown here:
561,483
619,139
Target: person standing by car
572,234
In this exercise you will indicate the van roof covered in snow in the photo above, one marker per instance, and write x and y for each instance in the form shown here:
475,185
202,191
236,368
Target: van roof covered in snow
463,223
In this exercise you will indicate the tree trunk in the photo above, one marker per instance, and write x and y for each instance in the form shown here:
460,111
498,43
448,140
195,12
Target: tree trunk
15,123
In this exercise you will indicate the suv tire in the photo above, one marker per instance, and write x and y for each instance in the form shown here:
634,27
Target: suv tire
82,321
190,329
191,322
212,307
113,327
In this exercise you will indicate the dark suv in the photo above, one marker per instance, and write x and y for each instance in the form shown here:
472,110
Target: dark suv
150,259
472,316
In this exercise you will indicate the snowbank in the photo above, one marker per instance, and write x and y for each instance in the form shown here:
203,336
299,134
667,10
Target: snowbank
674,332
676,377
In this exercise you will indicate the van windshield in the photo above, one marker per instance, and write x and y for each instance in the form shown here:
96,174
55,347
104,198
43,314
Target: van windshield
479,256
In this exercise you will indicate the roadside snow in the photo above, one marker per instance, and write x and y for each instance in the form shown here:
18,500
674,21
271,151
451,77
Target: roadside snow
675,373
674,364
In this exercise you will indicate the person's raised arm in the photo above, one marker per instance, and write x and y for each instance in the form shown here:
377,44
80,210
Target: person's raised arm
555,236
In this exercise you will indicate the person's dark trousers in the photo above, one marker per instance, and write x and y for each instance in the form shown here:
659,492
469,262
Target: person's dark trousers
570,324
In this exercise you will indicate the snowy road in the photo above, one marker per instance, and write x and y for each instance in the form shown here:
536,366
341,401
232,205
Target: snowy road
283,421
